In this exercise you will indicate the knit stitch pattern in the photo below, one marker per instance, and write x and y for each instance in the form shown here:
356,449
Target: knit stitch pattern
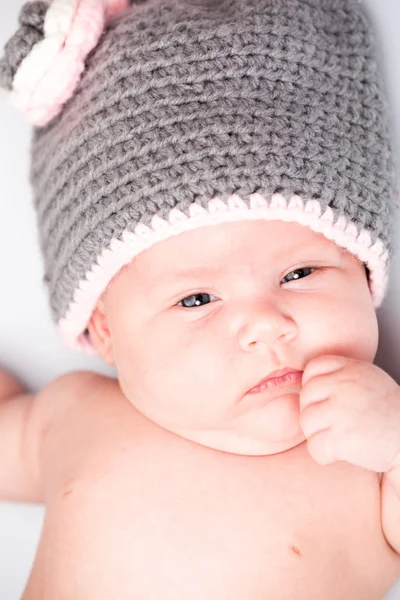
183,101
31,20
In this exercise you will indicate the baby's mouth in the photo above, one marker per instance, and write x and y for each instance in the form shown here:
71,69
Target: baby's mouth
291,378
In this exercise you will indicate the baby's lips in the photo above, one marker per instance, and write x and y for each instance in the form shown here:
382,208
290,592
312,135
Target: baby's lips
284,377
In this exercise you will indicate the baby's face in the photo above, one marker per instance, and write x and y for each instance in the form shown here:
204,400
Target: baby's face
198,320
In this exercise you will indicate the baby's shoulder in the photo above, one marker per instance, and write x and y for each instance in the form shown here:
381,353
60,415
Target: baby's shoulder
73,385
72,393
75,382
73,412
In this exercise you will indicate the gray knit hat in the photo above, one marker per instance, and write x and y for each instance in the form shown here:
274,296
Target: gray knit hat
157,117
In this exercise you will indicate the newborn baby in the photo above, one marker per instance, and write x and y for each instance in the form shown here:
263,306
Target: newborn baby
213,183
184,478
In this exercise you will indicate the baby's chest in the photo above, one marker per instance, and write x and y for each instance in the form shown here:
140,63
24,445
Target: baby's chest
164,517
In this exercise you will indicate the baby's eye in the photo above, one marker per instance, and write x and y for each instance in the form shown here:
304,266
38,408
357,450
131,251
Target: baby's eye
202,298
301,270
196,300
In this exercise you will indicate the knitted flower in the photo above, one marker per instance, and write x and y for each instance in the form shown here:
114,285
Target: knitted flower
45,58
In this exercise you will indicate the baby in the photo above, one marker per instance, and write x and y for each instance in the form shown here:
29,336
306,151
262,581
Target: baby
215,222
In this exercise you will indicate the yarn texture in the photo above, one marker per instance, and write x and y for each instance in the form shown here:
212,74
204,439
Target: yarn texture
189,113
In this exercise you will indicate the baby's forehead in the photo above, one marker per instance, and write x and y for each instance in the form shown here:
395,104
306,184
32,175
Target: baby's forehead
211,250
232,243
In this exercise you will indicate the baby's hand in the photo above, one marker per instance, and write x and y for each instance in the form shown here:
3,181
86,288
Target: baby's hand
350,410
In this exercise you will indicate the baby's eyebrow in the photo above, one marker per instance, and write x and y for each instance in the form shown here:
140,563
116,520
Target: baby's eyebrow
194,273
197,272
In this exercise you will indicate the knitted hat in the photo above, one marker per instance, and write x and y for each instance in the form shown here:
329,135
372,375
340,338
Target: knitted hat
156,118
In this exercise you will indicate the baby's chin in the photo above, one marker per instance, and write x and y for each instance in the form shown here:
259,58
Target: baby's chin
259,429
260,432
252,429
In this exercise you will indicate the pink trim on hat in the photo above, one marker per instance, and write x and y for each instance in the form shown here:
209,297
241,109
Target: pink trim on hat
121,252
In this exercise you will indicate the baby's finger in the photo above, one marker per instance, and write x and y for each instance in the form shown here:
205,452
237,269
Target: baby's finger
316,390
315,418
322,365
321,447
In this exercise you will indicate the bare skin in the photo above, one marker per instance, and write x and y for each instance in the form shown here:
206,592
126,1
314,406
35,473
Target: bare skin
135,511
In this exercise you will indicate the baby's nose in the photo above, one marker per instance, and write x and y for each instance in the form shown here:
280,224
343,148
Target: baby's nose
265,324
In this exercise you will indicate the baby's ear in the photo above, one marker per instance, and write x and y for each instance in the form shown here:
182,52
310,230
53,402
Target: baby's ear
100,333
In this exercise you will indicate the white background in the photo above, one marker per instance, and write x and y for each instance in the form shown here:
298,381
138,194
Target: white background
29,345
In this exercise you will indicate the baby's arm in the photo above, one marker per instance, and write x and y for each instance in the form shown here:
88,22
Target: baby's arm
20,434
34,430
390,490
